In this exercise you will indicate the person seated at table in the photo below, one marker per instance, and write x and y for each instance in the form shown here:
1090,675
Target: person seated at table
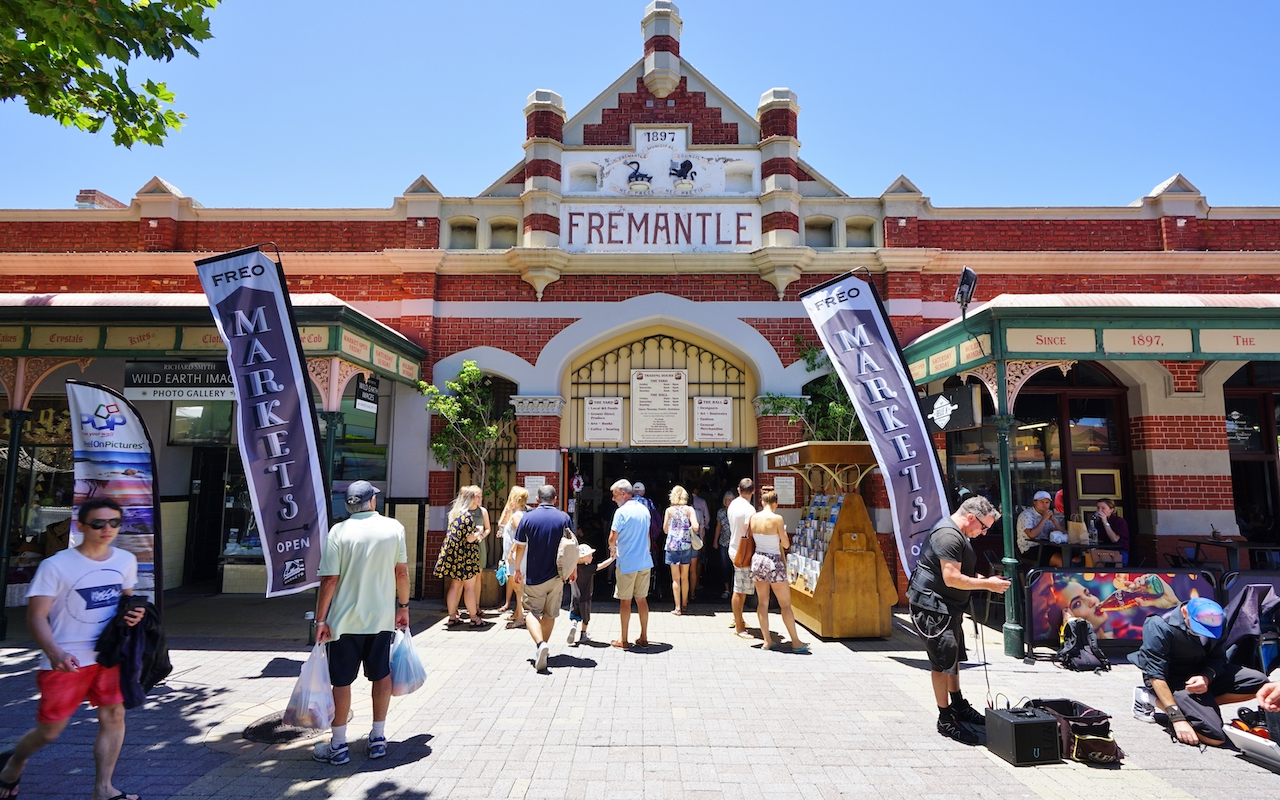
1034,526
1113,531
1183,663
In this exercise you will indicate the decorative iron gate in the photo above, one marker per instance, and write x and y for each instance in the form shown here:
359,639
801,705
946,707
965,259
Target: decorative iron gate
609,375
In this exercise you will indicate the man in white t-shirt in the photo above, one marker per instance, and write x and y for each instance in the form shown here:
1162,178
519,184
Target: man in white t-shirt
73,596
363,598
740,511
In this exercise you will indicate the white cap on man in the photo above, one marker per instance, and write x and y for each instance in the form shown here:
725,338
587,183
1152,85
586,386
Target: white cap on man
1042,495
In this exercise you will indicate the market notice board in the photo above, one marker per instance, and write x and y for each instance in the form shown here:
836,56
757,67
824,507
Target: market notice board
602,419
659,408
713,419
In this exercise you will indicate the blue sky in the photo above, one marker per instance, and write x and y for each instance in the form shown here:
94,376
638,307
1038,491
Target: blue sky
979,103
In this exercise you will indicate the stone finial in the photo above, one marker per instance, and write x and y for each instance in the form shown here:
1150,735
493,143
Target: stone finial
778,113
778,97
544,100
661,28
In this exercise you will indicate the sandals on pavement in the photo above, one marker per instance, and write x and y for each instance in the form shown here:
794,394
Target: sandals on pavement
121,796
453,622
10,788
620,644
513,624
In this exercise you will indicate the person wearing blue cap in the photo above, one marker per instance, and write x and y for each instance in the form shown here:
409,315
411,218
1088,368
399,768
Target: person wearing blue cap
1184,664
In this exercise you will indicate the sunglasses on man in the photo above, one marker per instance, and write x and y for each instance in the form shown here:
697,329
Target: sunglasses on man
99,524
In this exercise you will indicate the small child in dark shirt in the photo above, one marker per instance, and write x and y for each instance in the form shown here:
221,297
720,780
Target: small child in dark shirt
580,593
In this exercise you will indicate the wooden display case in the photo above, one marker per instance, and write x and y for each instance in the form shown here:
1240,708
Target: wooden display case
845,590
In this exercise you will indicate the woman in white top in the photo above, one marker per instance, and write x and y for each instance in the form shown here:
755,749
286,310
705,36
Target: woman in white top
769,569
679,522
512,513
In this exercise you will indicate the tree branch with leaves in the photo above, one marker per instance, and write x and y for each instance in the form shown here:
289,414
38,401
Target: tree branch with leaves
471,426
68,59
827,413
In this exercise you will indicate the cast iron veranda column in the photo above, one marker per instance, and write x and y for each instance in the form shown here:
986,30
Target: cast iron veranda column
17,419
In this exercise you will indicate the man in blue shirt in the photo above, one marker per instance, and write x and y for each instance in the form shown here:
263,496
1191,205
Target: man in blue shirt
539,533
629,543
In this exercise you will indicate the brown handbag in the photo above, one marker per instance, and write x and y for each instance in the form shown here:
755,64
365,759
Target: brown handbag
746,549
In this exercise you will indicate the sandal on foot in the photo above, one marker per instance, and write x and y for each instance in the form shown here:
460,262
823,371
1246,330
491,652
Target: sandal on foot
620,644
10,787
642,643
513,624
477,623
121,796
804,648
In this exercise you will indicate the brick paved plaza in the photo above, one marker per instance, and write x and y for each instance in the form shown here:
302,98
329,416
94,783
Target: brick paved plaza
701,714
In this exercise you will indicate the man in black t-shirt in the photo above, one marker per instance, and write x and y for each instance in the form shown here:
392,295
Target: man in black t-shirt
938,593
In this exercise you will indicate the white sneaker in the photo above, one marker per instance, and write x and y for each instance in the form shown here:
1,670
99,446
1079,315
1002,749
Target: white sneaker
540,663
573,632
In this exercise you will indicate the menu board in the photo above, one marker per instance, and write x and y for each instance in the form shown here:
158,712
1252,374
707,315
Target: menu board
659,407
602,419
713,419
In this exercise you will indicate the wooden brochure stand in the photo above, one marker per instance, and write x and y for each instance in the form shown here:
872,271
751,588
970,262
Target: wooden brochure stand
840,583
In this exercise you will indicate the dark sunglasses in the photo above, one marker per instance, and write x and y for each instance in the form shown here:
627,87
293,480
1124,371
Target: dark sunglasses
985,526
99,524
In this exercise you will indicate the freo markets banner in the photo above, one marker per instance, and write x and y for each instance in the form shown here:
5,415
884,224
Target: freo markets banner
114,458
854,329
250,303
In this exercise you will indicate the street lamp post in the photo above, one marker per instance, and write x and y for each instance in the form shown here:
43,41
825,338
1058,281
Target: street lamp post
17,419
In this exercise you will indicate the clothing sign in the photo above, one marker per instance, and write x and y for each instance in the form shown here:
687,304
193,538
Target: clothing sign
854,329
713,419
953,410
277,425
178,380
367,394
114,458
659,407
602,419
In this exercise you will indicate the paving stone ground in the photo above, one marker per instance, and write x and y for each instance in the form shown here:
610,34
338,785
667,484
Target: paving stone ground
700,715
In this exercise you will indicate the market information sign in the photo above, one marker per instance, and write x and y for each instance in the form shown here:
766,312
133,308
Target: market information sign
854,329
953,410
178,380
659,407
367,394
713,419
602,419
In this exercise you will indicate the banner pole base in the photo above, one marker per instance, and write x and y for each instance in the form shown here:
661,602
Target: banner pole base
1013,643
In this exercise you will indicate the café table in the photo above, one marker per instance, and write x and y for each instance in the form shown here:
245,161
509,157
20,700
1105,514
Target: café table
1070,549
1233,547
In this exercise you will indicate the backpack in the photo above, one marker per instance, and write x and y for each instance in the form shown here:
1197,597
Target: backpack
1085,732
1080,651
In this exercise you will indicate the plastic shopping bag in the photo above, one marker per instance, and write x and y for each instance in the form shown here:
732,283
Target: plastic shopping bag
311,704
407,672
502,573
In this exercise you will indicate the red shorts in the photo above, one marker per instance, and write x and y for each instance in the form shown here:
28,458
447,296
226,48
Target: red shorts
61,693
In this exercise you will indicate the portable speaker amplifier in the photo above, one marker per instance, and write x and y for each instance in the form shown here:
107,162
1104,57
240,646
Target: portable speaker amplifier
1023,736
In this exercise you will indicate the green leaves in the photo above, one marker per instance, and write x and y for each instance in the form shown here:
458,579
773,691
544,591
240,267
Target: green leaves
826,412
67,60
471,424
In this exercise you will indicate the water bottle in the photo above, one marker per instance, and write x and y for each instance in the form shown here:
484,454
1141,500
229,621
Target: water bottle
1093,531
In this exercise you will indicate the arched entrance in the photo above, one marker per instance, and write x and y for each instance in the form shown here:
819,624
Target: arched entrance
712,457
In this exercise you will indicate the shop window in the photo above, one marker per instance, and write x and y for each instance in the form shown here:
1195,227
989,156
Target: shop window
1253,489
1244,424
818,232
1093,425
860,232
503,235
45,481
462,236
1256,373
1035,447
200,422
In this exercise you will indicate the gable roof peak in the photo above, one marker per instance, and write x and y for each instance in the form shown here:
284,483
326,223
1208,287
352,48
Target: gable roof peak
1175,185
902,185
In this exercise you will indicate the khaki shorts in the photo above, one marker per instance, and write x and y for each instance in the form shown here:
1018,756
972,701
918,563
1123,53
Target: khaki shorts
632,585
544,599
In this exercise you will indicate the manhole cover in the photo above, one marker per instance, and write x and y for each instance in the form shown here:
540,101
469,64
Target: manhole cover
272,730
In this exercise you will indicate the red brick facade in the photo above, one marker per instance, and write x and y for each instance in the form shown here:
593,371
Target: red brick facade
538,431
521,337
1186,374
781,166
642,107
544,125
541,168
1180,493
1189,432
662,44
780,221
778,122
542,222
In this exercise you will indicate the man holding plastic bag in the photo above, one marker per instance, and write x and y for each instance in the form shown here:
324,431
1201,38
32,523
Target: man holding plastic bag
362,567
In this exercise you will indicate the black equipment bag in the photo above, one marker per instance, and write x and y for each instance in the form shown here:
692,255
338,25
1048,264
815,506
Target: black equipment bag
1085,732
1080,651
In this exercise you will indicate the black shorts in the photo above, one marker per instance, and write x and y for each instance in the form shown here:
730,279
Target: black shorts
943,639
348,652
